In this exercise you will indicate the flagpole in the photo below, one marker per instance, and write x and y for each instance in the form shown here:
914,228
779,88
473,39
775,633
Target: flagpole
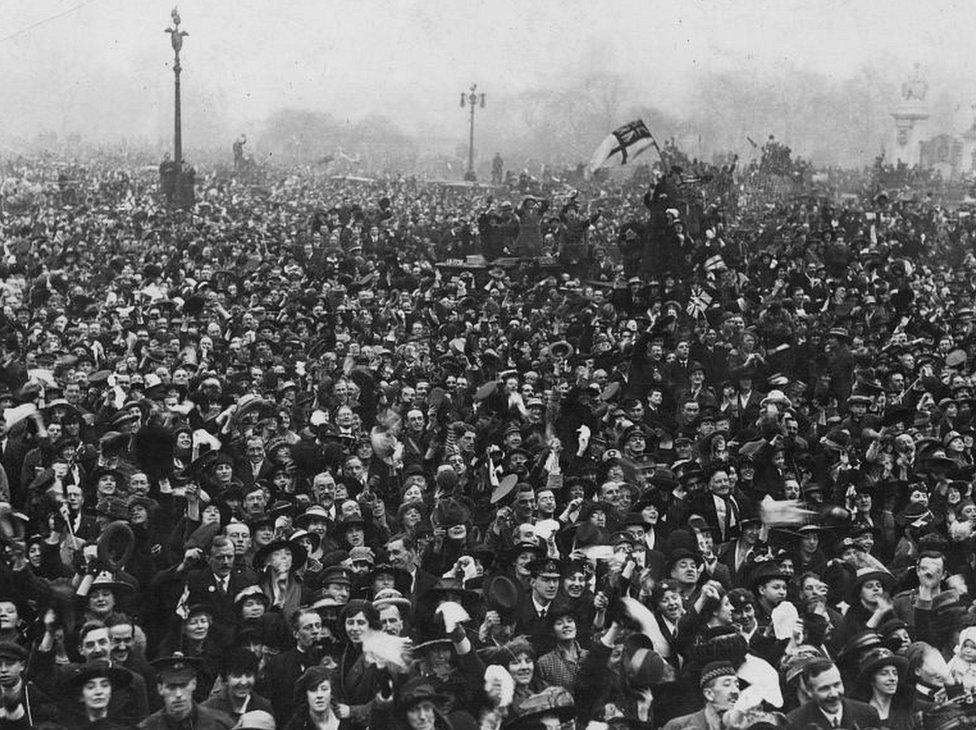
664,162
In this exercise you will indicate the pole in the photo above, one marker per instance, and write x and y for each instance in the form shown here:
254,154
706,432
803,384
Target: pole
177,184
471,99
471,141
177,121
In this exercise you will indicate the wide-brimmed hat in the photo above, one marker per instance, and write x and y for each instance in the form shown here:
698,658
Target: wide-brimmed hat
551,701
418,689
298,554
874,659
766,572
312,537
390,597
446,587
105,579
315,513
501,593
432,633
99,668
863,575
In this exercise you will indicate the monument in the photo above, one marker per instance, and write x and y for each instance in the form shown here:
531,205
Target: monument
911,116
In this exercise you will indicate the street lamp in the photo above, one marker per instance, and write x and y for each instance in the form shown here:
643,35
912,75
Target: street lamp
177,183
472,99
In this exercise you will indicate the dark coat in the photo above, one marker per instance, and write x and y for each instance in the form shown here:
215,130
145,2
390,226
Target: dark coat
856,716
280,675
202,719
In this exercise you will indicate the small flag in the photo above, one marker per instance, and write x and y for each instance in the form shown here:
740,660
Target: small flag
623,145
699,301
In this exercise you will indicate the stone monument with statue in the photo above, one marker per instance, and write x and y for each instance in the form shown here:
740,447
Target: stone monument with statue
911,116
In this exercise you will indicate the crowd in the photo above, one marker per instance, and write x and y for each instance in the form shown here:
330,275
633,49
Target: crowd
321,454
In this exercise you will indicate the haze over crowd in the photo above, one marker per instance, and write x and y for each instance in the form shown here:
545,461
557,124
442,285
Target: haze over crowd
822,76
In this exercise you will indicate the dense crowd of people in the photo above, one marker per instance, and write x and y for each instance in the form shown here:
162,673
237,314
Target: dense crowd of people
336,454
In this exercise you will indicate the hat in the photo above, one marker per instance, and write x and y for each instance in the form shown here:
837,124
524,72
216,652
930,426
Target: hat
351,521
336,575
124,418
714,670
505,486
106,580
315,513
312,537
176,668
431,634
323,599
873,659
251,591
401,578
544,568
682,553
298,554
445,588
778,397
111,506
501,593
550,701
417,690
361,554
312,677
915,514
99,668
794,665
12,650
766,572
864,575
561,349
390,597
643,666
256,720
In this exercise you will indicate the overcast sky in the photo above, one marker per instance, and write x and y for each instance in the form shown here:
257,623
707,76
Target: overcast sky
103,68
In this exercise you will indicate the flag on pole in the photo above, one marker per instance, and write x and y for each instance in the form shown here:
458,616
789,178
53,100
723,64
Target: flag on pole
622,145
699,302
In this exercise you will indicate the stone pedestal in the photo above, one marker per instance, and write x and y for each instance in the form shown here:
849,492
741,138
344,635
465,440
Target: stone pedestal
911,119
911,127
177,186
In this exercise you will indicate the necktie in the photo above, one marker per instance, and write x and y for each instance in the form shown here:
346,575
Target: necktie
542,613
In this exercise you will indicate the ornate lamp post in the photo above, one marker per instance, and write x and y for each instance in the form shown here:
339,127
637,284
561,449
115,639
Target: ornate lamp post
176,37
472,99
177,183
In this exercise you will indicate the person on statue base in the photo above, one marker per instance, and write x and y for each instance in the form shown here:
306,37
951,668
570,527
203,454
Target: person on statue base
239,152
497,170
530,213
574,253
631,245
